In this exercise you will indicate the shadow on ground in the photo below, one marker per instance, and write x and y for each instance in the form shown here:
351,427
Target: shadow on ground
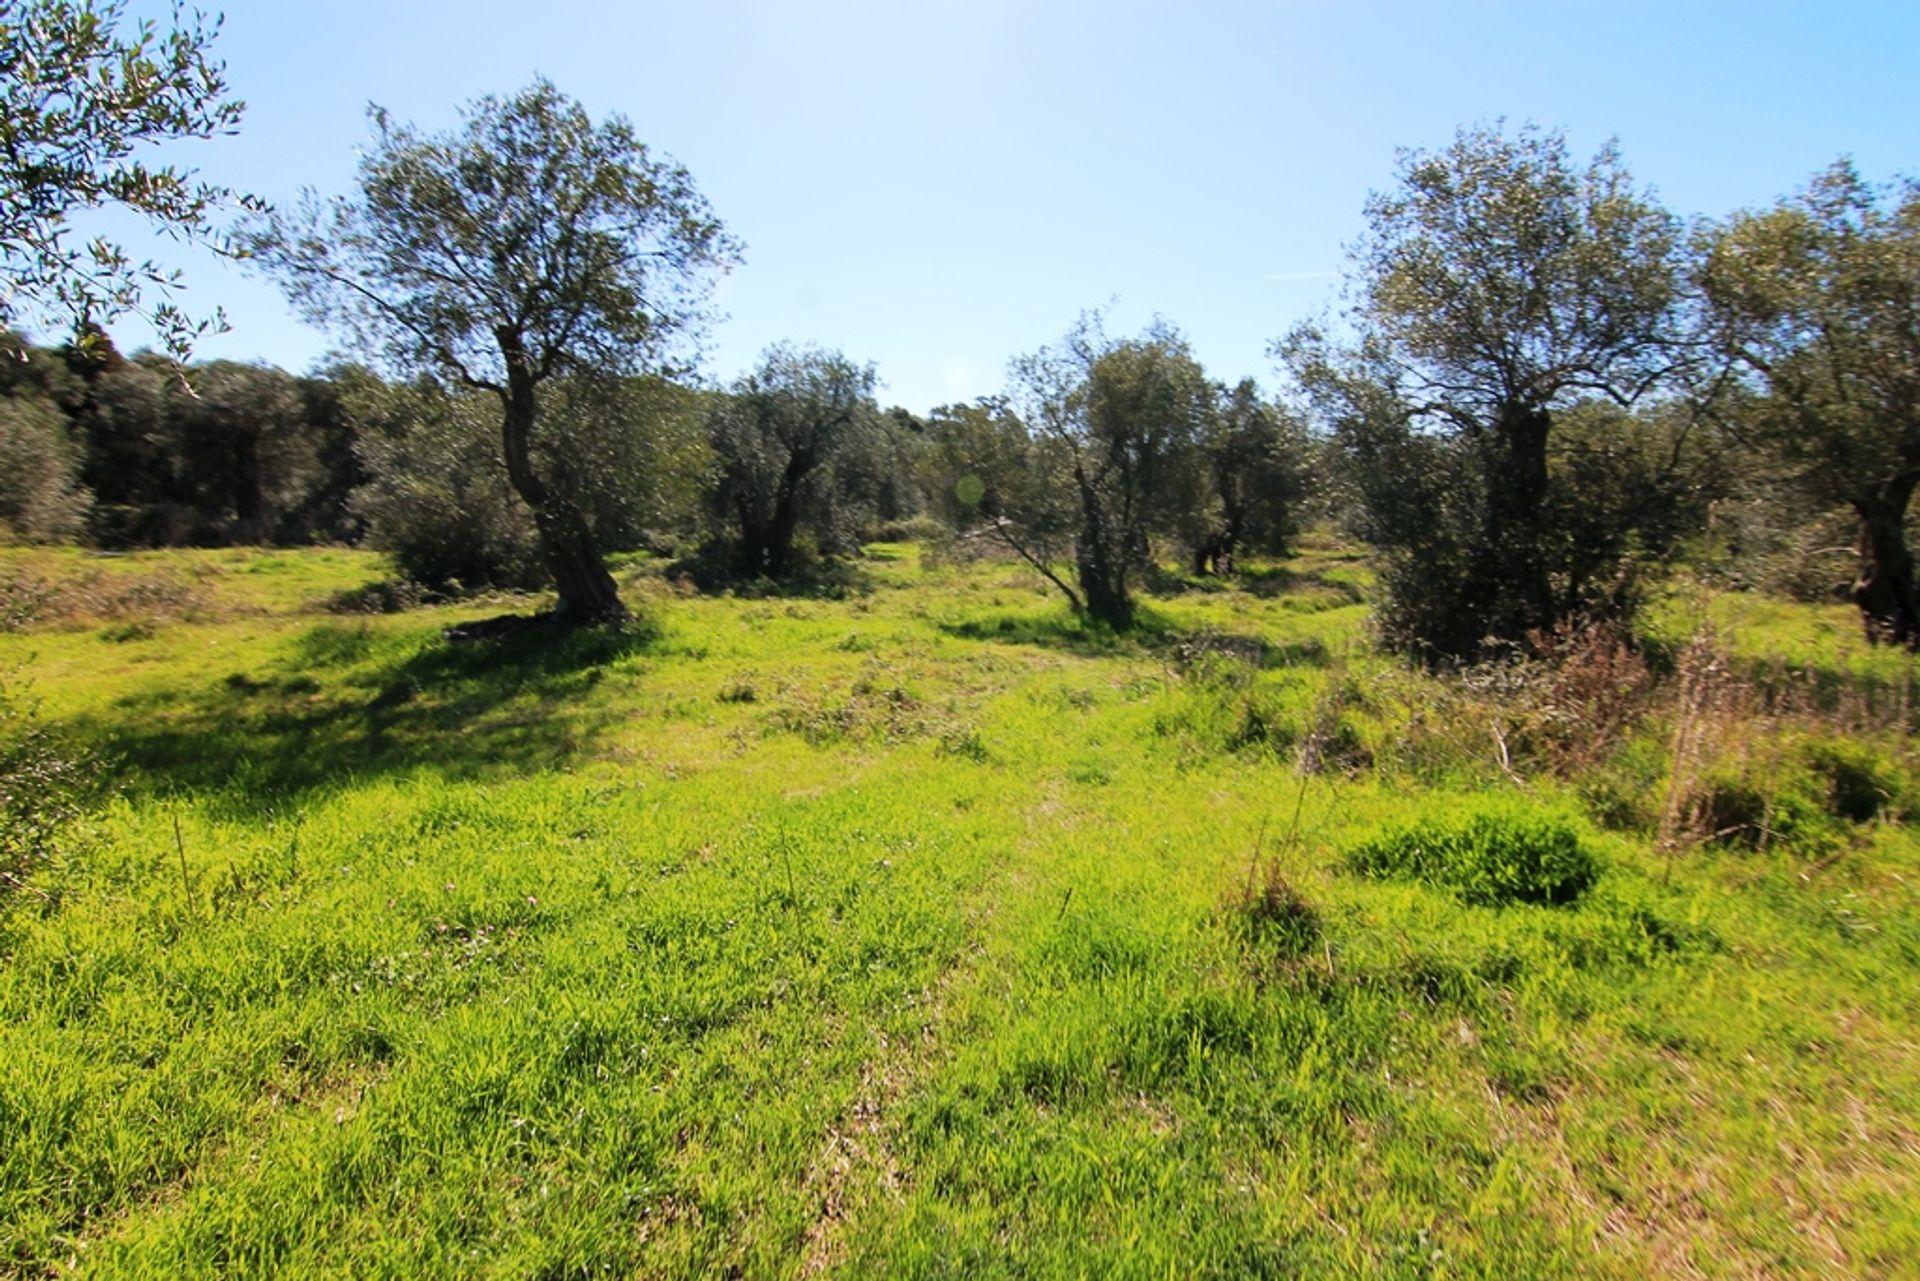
1054,631
713,571
1264,581
325,710
1279,580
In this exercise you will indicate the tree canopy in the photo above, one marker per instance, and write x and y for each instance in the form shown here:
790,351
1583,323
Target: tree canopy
777,434
1498,285
1819,299
1114,425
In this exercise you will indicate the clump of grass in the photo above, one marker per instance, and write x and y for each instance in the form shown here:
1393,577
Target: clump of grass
1332,742
878,707
1270,910
1223,706
965,742
1728,811
1488,852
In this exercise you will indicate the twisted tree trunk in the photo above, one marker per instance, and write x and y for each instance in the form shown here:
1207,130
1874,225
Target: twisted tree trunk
1100,561
1518,595
1884,590
572,556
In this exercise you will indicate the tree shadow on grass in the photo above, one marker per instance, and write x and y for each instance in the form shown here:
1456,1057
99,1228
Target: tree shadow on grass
713,571
1049,631
1151,634
319,715
1269,581
1265,581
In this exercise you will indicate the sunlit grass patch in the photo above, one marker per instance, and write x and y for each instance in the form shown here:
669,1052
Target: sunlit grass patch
930,932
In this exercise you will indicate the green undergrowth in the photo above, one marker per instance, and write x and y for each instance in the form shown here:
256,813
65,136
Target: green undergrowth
924,931
1505,851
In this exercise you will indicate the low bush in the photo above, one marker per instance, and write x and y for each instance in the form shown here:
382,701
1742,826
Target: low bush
1487,852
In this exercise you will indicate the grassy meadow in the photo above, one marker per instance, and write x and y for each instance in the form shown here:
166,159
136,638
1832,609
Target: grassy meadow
914,929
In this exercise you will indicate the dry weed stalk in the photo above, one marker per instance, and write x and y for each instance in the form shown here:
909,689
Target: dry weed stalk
1702,722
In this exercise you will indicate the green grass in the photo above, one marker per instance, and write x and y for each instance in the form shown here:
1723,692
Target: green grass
920,933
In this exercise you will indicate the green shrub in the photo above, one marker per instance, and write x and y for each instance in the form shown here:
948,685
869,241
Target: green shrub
1739,811
41,497
437,498
1487,852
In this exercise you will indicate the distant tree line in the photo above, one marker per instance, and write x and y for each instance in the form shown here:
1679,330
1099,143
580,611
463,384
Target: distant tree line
1545,389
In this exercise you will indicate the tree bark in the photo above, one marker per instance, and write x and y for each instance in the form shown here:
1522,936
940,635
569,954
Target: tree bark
1101,565
780,531
1884,591
588,596
1519,596
768,523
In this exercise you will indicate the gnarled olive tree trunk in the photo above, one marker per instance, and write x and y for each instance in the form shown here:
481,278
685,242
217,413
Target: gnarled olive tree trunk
766,537
567,546
1100,560
1884,590
1517,590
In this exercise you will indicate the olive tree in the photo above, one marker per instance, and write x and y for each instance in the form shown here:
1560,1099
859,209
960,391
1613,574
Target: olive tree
1819,299
776,435
965,463
80,92
1113,427
1497,286
528,245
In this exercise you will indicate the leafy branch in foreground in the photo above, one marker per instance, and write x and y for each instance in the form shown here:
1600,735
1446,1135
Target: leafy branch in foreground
77,98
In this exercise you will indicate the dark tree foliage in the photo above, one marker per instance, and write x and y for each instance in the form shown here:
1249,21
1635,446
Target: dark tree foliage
1818,299
778,435
528,246
878,475
1253,461
120,412
1113,426
146,452
80,93
239,449
969,456
324,514
1498,286
437,498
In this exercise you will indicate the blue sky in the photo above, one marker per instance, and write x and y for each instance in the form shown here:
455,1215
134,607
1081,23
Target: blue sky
936,186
